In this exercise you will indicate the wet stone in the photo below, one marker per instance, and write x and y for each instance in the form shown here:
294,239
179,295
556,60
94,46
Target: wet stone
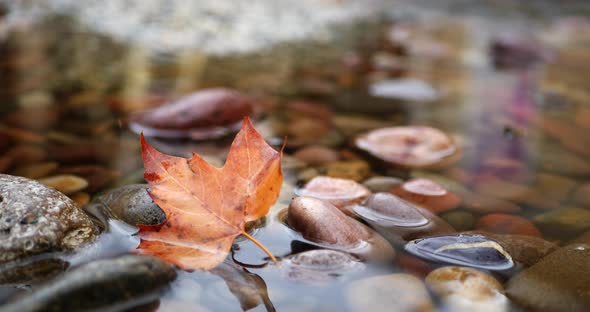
130,203
341,193
100,284
581,195
400,221
190,115
36,171
427,194
322,223
507,224
467,289
459,220
65,183
356,170
22,273
35,219
559,282
320,266
447,183
382,183
410,147
524,249
564,223
560,161
395,292
23,155
483,204
470,250
316,155
554,186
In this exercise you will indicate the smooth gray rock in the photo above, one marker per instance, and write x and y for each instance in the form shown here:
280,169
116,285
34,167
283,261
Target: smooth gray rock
35,219
124,282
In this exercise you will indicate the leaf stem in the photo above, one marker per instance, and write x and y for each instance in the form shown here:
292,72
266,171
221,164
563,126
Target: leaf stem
260,246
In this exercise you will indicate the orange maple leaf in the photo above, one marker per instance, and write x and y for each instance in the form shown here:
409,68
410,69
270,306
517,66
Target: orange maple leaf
207,207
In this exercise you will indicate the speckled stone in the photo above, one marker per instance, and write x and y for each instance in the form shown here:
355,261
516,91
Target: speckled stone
98,285
36,219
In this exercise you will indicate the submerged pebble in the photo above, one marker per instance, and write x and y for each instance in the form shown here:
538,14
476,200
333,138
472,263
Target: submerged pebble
427,194
559,282
36,171
316,155
400,221
356,170
35,219
459,220
341,193
467,289
581,195
564,223
507,224
65,183
202,110
322,223
394,292
320,266
483,204
409,147
105,284
382,183
471,250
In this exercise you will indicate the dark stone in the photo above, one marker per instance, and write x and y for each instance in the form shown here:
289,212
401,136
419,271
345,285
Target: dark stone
99,285
130,203
36,219
463,249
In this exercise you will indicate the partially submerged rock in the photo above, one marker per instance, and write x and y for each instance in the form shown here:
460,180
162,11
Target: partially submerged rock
100,284
322,223
130,203
559,282
471,250
35,219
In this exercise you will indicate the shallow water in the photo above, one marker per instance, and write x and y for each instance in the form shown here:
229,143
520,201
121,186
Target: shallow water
511,123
